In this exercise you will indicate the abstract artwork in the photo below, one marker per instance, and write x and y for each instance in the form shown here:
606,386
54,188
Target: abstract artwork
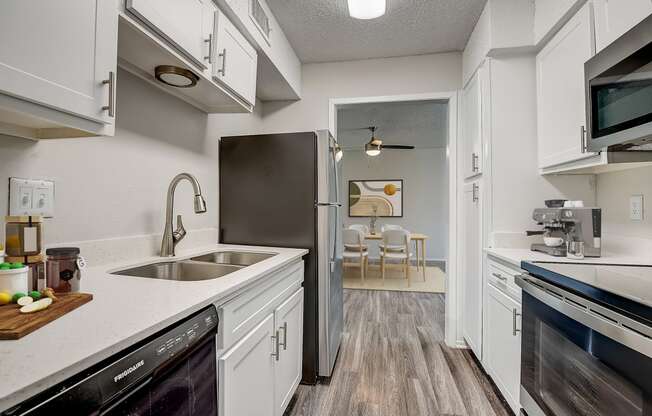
376,198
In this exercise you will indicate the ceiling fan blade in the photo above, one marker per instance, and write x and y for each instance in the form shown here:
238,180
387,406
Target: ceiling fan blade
397,146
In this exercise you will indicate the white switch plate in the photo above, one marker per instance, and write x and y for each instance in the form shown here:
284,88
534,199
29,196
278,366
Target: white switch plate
31,197
636,208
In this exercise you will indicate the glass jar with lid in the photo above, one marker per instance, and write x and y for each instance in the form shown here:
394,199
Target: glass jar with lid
62,269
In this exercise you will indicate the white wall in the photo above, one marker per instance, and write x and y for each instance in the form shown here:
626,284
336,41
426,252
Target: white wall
116,186
366,78
614,191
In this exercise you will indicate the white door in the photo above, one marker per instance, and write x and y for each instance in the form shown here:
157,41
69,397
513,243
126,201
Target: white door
235,66
472,125
560,91
503,344
472,268
289,324
57,53
615,17
246,373
180,22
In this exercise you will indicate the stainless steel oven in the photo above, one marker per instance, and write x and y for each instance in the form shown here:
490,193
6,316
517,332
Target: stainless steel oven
172,373
619,92
586,340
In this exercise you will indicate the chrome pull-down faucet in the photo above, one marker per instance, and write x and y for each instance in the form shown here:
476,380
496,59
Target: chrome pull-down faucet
171,238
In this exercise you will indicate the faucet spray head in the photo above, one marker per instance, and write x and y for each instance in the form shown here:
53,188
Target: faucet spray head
200,204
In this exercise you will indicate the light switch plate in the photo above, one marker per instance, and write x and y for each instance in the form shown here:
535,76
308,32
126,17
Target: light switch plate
31,197
636,208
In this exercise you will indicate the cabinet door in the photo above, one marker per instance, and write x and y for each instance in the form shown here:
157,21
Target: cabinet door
560,91
289,324
236,62
180,22
246,373
472,268
472,125
58,53
503,344
615,17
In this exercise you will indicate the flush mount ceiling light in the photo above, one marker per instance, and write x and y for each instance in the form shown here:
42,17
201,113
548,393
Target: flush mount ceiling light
366,9
175,76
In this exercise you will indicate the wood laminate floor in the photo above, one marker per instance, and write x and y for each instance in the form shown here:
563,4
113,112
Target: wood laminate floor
393,362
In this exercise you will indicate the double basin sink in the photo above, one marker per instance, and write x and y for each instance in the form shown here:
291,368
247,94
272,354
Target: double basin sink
204,267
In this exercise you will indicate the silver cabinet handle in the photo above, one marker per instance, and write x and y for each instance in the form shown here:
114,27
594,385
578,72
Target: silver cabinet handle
474,162
277,351
499,276
223,56
285,336
514,315
209,57
111,107
583,139
476,188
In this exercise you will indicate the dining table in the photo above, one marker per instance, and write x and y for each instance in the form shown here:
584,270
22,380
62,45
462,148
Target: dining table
419,246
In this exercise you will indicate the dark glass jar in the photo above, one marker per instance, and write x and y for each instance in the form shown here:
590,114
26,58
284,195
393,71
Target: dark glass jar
62,269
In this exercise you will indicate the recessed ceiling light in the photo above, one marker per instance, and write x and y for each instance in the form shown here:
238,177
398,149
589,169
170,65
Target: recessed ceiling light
366,9
175,76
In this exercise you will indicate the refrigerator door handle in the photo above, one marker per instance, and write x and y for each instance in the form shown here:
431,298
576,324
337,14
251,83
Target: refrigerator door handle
328,204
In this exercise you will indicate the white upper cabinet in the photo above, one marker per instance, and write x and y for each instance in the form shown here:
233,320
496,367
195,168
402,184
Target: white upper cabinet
236,60
560,91
187,24
472,268
471,126
615,17
58,55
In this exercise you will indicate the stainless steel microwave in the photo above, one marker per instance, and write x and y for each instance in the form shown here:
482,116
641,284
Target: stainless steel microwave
619,93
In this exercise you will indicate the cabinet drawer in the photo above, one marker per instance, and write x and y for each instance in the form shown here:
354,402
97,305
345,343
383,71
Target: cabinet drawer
241,314
503,278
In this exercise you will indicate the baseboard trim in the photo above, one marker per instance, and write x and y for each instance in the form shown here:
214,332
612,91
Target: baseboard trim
429,262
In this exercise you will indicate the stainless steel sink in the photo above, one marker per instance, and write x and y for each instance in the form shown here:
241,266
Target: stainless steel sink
188,271
234,258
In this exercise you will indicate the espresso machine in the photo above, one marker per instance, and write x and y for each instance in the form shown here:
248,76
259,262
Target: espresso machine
563,225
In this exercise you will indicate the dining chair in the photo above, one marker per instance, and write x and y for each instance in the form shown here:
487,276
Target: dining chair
399,241
360,227
354,249
388,227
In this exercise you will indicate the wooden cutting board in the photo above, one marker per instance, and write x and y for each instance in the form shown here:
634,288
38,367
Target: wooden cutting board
15,325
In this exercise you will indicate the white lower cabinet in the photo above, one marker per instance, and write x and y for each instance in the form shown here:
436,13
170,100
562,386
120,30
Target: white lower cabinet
261,369
289,324
502,344
246,373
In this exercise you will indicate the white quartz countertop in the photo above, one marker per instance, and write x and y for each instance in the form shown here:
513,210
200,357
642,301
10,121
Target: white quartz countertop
516,255
124,310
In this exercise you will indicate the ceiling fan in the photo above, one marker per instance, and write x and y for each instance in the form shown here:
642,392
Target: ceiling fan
375,145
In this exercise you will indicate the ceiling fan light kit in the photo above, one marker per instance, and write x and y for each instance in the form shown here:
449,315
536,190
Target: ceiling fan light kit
366,9
372,149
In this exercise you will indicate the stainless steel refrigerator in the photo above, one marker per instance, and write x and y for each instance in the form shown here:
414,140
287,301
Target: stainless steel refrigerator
283,190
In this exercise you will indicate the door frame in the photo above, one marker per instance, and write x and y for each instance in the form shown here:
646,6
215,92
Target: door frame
453,281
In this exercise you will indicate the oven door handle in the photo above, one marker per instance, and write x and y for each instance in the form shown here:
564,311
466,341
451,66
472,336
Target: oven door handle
619,328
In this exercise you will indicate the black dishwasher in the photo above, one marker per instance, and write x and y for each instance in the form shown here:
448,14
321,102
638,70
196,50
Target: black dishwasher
172,373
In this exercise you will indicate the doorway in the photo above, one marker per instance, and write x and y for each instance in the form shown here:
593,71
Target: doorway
348,114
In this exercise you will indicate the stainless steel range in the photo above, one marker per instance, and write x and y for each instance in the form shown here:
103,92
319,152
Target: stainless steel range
587,340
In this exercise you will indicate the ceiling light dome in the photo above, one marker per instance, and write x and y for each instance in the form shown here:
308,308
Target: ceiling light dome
372,149
366,9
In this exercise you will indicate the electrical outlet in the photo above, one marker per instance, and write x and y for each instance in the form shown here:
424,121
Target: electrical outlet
636,208
31,197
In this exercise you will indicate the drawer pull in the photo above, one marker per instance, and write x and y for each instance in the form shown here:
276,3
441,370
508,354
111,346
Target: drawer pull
285,335
499,276
277,352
